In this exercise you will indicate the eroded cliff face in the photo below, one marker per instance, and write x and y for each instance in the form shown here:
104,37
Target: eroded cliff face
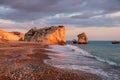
8,36
58,36
20,35
48,35
82,38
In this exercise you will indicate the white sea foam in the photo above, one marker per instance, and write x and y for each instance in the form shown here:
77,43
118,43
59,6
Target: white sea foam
74,49
69,57
85,53
84,68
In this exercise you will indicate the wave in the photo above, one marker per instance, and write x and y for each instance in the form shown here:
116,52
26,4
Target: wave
87,54
75,49
73,57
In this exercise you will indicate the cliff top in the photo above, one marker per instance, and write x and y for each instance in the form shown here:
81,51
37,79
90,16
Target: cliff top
46,30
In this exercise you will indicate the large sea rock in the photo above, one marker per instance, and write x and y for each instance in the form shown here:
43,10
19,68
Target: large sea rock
82,38
9,36
48,35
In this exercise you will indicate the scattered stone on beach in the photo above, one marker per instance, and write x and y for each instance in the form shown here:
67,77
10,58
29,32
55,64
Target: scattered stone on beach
17,64
82,38
47,35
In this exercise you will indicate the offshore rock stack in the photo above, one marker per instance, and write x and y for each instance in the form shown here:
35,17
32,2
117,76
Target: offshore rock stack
82,39
115,42
48,35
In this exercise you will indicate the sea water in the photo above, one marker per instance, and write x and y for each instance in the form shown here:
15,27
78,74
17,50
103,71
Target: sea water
98,57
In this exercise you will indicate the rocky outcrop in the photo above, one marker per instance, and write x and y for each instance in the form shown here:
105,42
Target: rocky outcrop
48,35
82,38
74,41
8,36
20,35
115,42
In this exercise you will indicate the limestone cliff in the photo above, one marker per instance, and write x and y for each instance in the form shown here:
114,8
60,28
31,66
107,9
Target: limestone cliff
7,36
82,38
20,35
48,35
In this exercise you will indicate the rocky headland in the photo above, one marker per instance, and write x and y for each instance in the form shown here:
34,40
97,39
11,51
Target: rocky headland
24,60
47,35
20,35
10,36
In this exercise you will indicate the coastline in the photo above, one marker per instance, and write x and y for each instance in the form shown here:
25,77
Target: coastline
24,61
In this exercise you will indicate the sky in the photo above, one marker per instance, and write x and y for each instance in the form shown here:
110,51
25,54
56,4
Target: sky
100,19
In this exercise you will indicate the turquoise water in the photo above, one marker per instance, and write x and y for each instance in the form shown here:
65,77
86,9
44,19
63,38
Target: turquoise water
103,49
98,57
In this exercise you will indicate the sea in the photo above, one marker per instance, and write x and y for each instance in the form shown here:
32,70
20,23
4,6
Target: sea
101,58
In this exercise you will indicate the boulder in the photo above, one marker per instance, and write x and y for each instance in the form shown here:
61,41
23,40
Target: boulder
47,35
74,41
82,38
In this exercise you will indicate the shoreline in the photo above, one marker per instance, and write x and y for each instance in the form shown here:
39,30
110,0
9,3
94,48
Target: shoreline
25,61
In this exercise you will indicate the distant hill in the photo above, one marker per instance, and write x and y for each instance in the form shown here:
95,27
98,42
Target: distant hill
10,36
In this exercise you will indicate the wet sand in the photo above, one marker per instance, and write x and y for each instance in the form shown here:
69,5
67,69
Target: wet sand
24,61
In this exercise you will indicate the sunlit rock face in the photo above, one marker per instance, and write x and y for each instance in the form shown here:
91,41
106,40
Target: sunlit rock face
48,35
8,36
82,38
20,35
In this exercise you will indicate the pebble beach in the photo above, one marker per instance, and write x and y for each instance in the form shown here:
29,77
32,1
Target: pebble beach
25,61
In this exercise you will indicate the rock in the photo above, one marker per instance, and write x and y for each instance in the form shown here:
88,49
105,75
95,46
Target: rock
82,38
7,36
74,41
20,35
115,42
48,35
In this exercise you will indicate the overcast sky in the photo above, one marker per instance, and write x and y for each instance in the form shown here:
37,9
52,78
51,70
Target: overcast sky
100,19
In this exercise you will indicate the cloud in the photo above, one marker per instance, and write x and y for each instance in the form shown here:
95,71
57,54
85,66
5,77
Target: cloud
6,21
87,21
81,13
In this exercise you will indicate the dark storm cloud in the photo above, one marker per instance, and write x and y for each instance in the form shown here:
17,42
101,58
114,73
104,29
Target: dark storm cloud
29,10
41,5
26,10
33,5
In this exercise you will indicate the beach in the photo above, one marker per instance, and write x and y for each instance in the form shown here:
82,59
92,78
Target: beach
25,61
